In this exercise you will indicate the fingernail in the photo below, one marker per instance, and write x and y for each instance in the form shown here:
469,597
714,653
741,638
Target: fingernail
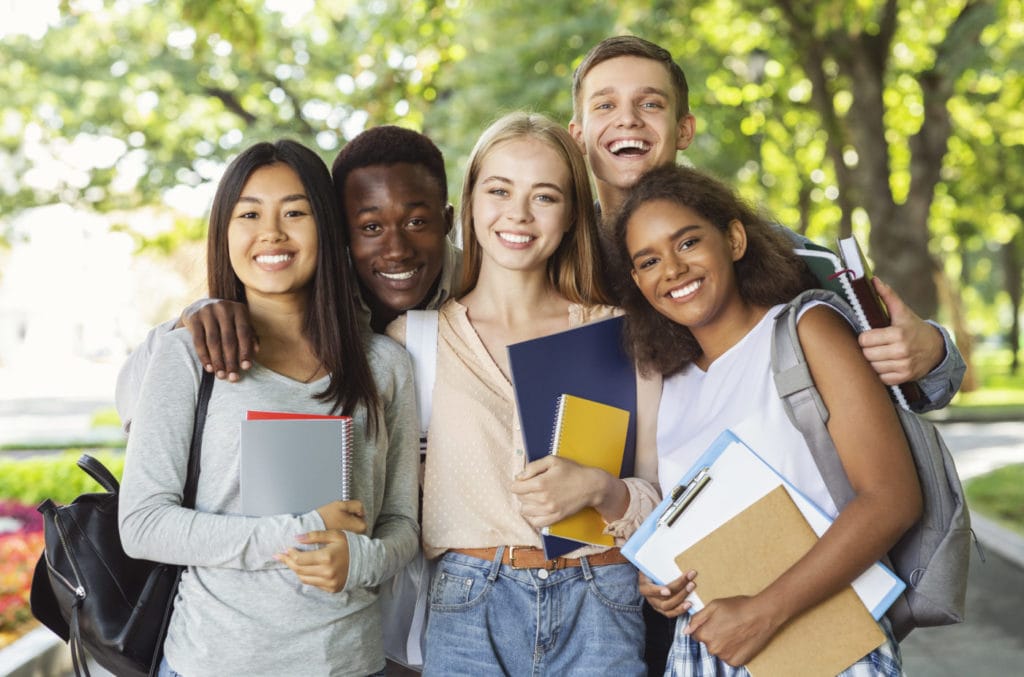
665,592
208,367
302,538
221,374
279,557
233,377
246,364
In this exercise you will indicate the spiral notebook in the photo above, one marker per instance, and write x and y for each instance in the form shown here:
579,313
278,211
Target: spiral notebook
850,277
585,361
592,434
292,463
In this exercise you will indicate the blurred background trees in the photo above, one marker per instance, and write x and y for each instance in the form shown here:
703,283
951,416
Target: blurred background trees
900,121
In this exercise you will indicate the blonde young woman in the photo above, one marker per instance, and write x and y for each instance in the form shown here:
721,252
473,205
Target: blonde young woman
530,241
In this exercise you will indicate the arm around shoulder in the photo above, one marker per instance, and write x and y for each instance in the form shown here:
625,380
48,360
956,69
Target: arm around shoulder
942,383
129,379
395,535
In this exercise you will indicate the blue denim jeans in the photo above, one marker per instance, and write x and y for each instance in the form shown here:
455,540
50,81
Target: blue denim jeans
485,616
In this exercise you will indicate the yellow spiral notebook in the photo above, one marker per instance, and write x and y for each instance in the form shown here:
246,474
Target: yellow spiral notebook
592,434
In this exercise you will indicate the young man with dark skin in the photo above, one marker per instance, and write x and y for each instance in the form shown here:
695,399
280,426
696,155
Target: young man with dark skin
394,191
630,115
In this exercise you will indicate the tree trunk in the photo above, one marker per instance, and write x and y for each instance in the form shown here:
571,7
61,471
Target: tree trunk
964,341
1012,264
899,236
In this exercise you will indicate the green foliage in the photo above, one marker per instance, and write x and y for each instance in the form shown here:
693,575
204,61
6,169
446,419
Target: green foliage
999,495
57,477
122,102
105,418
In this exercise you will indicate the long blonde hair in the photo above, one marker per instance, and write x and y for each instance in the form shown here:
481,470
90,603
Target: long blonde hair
573,268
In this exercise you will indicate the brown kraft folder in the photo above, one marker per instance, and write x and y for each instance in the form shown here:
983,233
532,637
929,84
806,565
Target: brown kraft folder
751,550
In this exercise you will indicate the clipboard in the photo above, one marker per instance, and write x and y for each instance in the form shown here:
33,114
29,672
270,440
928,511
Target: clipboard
746,554
738,477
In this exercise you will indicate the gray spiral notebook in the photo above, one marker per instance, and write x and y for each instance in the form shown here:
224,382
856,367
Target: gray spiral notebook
294,465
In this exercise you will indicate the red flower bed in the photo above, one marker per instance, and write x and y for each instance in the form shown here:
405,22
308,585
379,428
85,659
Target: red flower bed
21,542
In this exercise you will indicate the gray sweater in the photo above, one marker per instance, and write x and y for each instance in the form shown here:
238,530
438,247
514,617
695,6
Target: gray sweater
238,610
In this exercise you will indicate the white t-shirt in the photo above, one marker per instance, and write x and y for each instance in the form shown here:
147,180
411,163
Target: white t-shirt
737,392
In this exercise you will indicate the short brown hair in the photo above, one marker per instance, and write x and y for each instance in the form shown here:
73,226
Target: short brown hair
768,273
573,268
630,45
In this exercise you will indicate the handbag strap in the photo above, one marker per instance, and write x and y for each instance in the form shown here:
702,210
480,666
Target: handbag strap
195,451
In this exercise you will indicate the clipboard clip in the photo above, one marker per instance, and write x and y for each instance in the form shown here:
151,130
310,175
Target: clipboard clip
682,496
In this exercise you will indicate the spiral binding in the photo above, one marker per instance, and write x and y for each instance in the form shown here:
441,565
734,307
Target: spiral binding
346,460
862,320
556,431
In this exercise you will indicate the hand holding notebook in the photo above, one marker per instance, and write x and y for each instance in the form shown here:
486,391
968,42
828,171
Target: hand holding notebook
749,552
293,463
849,275
591,434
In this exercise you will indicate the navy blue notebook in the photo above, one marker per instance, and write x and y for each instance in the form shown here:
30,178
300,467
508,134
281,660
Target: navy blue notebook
587,361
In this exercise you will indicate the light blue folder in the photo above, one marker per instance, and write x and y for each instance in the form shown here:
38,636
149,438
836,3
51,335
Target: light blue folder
738,478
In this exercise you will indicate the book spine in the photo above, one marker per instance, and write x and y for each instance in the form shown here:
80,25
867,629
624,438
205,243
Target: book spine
346,460
871,316
908,394
870,304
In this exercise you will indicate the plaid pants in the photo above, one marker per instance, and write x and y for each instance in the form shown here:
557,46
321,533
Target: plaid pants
690,658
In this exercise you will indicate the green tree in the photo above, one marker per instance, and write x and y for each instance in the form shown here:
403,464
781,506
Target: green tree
897,120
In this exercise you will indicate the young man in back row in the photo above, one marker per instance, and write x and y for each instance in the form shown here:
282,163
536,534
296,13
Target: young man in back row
631,114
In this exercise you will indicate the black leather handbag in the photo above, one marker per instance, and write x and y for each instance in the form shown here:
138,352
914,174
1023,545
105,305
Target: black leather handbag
89,592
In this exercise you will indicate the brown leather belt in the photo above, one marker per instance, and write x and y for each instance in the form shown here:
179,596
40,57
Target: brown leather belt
525,557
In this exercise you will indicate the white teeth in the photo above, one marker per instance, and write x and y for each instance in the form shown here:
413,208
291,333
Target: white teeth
397,276
514,238
688,289
635,144
271,259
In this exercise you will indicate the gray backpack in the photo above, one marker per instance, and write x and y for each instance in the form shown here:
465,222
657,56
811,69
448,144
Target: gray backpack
933,556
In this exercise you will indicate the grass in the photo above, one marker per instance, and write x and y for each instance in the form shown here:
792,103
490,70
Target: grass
999,495
999,396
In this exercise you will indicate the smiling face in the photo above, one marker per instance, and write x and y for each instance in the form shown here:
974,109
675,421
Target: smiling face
628,124
272,238
683,264
520,204
397,223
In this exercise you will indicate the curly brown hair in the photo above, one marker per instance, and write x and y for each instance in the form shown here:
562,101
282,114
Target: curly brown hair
768,273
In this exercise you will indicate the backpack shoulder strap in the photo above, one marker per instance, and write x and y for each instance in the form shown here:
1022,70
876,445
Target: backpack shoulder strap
421,342
800,397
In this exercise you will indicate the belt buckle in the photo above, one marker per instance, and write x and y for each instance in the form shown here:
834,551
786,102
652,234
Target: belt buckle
549,564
